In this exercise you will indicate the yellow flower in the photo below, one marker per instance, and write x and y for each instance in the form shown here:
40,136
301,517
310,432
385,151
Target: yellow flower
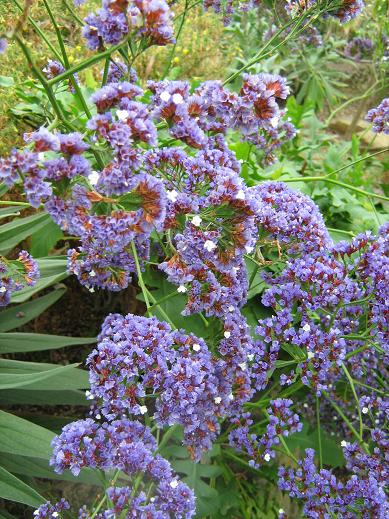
176,60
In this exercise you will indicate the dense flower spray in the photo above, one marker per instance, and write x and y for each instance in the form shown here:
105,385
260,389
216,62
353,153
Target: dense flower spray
16,275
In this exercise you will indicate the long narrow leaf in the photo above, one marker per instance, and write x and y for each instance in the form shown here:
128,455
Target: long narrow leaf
14,489
22,342
19,315
38,375
16,231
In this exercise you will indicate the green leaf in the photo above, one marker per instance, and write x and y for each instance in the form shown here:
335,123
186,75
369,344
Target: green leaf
38,375
22,342
17,316
37,397
13,489
6,81
45,239
19,229
21,377
39,468
21,437
8,211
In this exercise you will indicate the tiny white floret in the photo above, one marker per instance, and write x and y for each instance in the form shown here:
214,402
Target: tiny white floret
196,347
181,289
306,328
177,99
122,115
242,366
365,410
174,483
240,195
249,249
227,334
266,457
172,195
164,96
343,443
209,245
93,178
217,399
143,409
3,290
196,220
310,355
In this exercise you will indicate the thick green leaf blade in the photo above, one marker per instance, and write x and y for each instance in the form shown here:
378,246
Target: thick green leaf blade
38,375
45,239
20,379
18,436
16,231
27,395
23,342
13,489
19,315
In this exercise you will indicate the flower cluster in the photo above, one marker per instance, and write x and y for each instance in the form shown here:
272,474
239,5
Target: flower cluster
324,494
49,511
130,447
150,20
379,116
358,48
324,291
16,275
282,422
344,11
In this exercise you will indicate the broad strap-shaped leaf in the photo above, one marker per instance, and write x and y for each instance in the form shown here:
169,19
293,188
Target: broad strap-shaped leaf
13,489
16,373
19,229
35,396
23,342
38,375
18,315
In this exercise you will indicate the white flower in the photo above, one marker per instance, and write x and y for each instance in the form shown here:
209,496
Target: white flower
98,416
93,178
177,99
242,366
209,245
143,409
227,334
196,347
240,195
122,115
365,410
250,356
164,96
249,249
41,156
181,289
174,483
231,308
55,514
217,399
36,512
310,355
196,220
92,274
230,396
266,457
172,195
281,511
91,289
306,328
343,443
3,290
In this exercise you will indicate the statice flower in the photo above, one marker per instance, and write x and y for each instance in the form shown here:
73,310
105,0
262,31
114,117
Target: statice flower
49,511
358,48
228,7
118,70
148,19
324,494
289,217
3,45
128,446
379,116
260,448
16,275
344,10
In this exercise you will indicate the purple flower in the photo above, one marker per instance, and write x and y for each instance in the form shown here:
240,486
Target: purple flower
379,116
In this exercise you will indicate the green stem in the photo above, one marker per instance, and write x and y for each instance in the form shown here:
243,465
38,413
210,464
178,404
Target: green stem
40,33
140,278
183,16
357,161
349,378
338,183
8,202
341,231
319,432
350,101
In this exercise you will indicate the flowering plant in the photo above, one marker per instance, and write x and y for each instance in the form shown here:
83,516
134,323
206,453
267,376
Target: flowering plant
146,182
